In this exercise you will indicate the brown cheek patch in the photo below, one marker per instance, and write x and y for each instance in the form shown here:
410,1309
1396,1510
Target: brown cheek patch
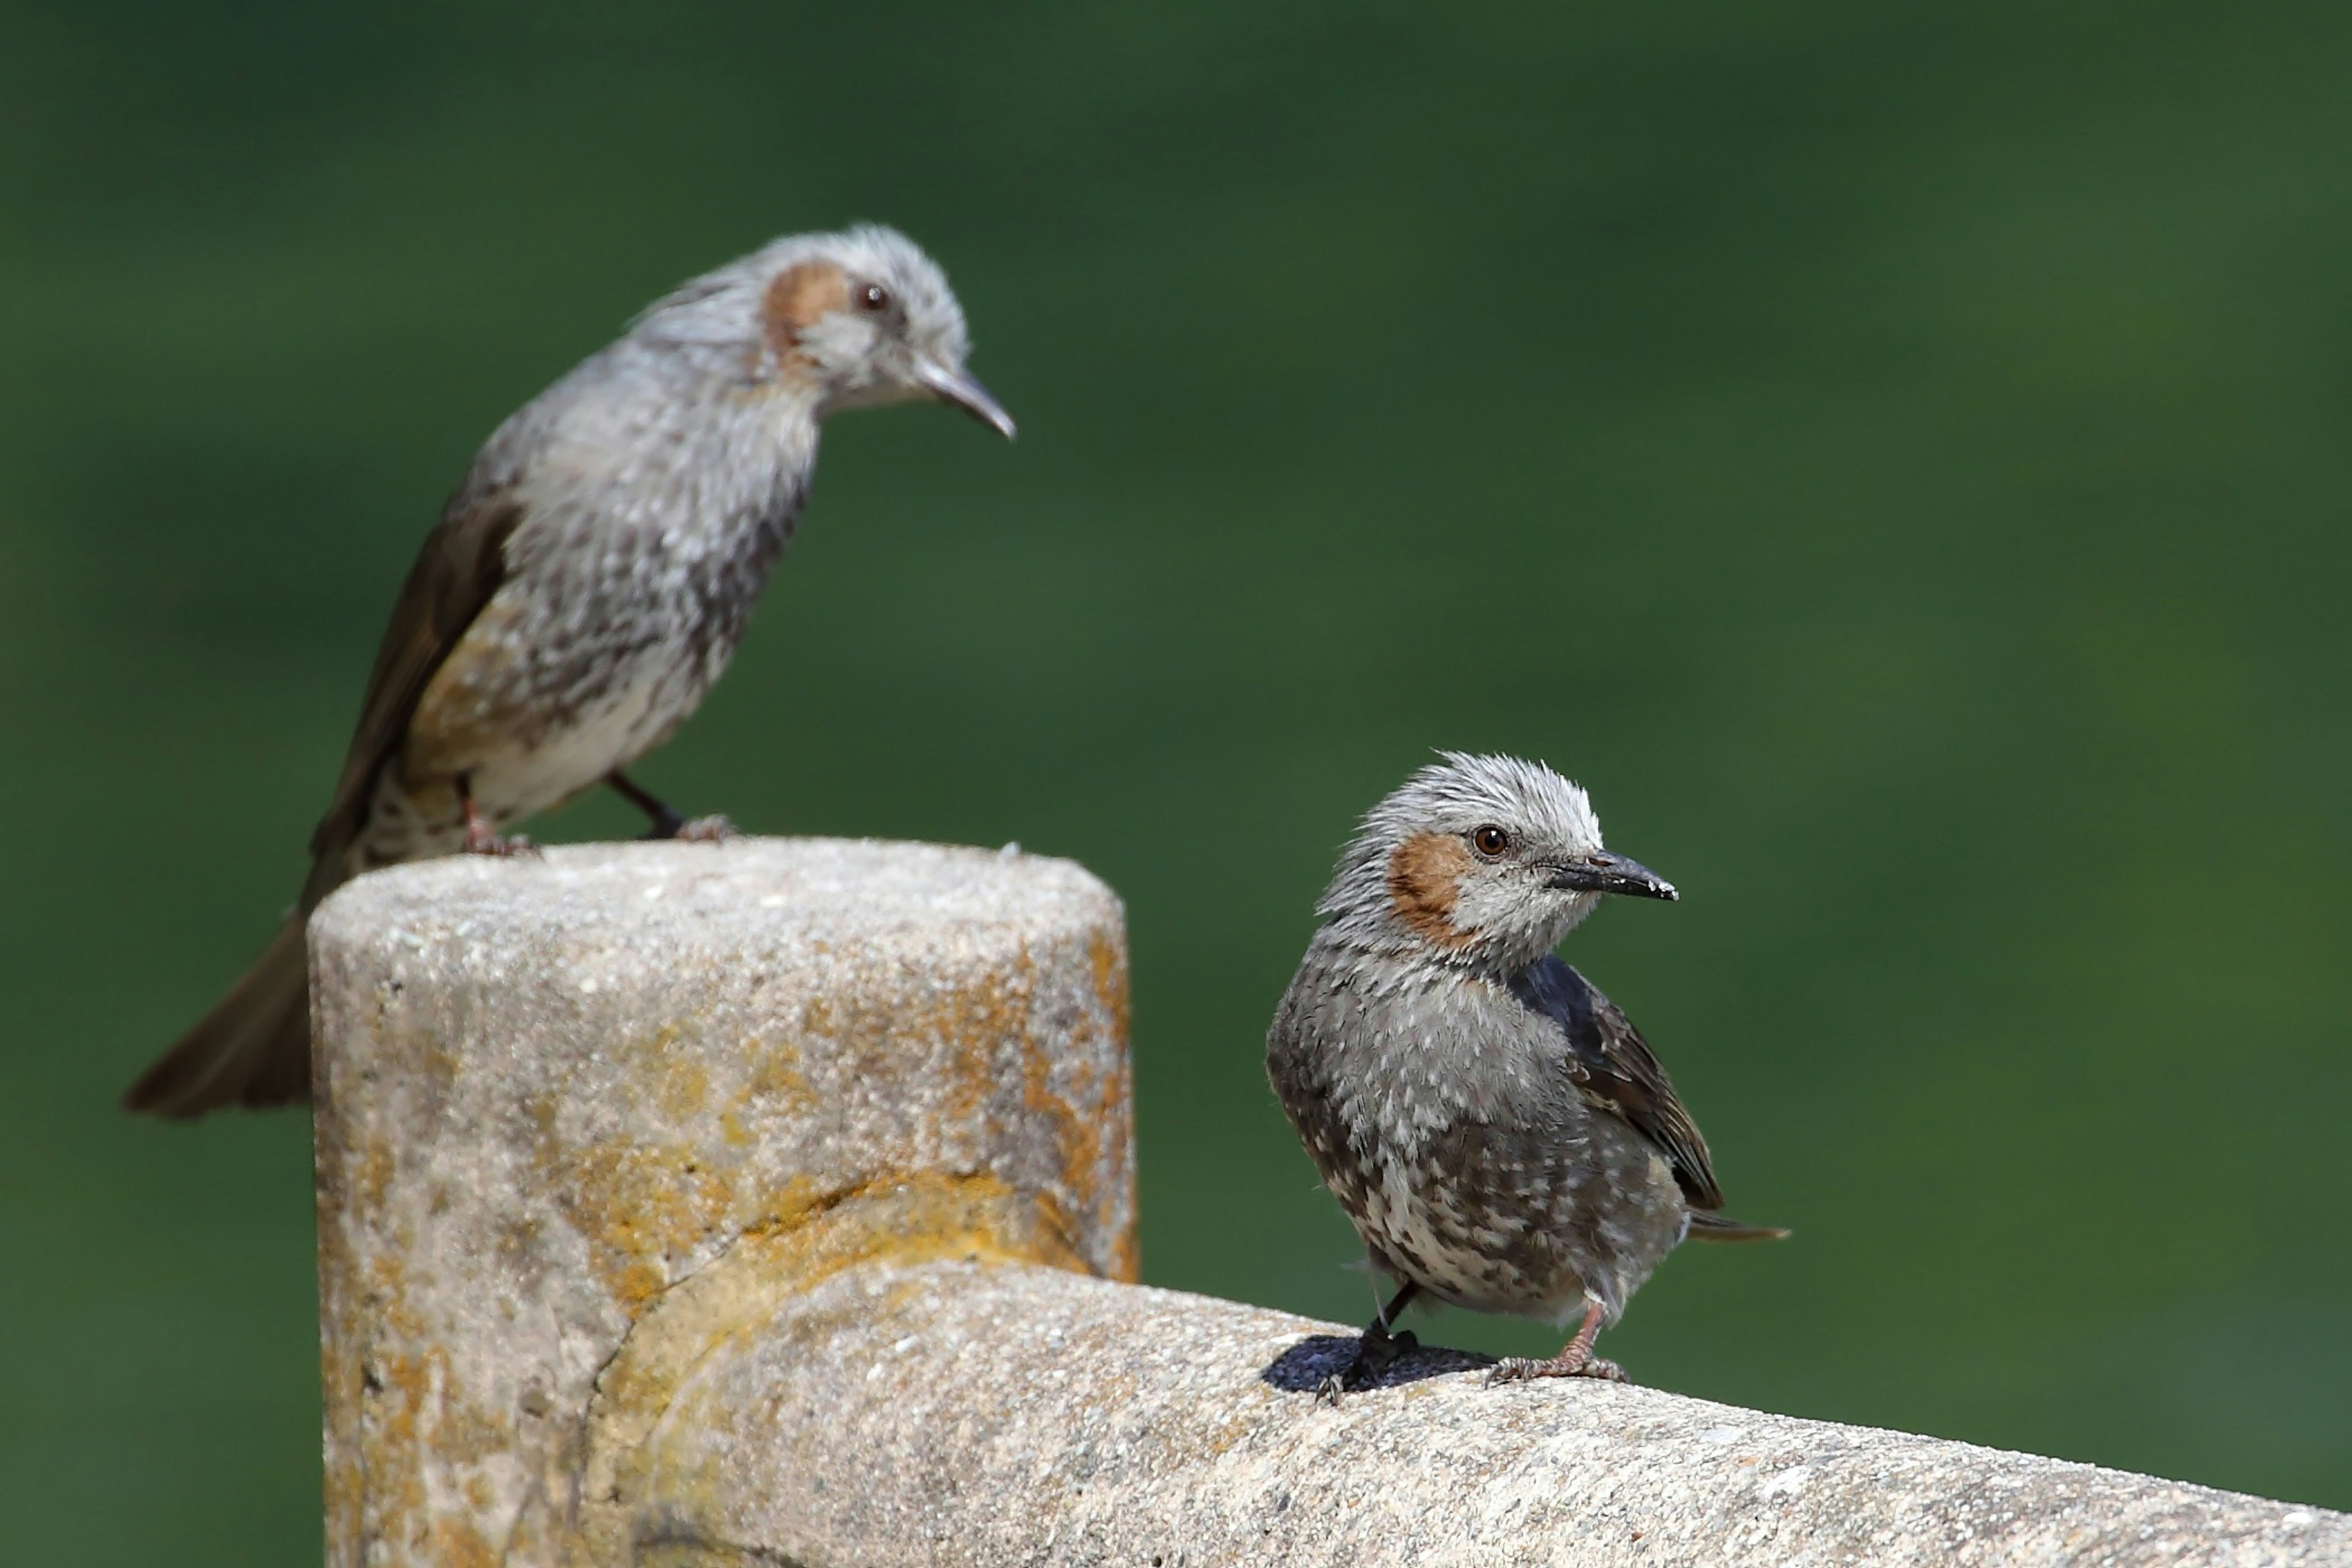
796,299
1424,884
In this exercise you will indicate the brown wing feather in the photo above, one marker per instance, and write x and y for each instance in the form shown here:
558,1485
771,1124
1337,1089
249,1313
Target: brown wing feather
255,1047
461,565
1616,1071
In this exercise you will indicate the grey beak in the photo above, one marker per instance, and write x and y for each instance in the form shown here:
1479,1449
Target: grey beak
962,389
1605,873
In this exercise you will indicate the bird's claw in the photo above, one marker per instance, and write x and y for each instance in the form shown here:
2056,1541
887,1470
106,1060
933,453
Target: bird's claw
670,827
1525,1369
501,847
482,837
1375,1353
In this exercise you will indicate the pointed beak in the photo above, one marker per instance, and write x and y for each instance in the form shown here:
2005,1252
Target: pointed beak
962,389
1603,872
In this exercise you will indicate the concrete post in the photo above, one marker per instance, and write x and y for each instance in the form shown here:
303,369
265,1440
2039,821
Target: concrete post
628,1098
765,1204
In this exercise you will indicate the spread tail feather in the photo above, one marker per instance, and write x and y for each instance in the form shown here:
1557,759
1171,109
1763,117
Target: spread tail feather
1705,1226
253,1049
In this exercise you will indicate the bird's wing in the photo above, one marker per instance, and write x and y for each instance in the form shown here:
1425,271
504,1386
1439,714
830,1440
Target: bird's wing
1615,1072
462,564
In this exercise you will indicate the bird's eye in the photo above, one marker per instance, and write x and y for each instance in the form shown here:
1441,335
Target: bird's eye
1490,841
874,297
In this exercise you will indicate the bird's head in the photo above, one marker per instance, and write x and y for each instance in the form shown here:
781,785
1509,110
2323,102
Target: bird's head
849,320
1484,858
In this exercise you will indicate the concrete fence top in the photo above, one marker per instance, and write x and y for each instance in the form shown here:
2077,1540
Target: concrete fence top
773,1203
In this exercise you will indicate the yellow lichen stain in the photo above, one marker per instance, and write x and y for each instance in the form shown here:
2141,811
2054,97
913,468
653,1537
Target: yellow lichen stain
911,1219
665,1063
432,1061
687,1554
346,1494
519,1240
414,1417
397,1410
395,1463
644,1208
1075,1130
457,1544
1115,1206
372,1178
1127,1254
976,1022
1057,1221
683,1090
638,1283
1114,1111
792,1205
774,1087
813,1234
1110,961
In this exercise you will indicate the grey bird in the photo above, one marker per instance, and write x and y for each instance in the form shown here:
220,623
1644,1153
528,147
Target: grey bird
586,585
1492,1124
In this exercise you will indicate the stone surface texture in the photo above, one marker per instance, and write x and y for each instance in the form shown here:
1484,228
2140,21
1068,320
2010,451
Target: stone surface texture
960,1413
766,1204
581,1118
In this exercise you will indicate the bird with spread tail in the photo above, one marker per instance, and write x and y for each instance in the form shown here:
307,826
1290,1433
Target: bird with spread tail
585,587
1493,1126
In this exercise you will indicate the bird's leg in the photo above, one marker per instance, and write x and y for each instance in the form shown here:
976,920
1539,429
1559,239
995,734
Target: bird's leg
1575,1358
481,833
1376,1350
666,821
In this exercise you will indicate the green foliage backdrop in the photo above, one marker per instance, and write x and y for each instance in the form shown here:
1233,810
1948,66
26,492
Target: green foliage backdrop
1895,456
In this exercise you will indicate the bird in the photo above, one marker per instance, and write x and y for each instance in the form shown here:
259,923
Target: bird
586,585
1493,1126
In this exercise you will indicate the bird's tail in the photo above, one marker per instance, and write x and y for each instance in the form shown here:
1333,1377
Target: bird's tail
253,1049
1706,1226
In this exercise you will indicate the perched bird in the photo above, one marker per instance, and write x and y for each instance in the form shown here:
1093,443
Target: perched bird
1493,1126
587,584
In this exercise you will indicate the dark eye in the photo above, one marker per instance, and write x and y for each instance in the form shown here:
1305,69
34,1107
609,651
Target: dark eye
1490,841
874,297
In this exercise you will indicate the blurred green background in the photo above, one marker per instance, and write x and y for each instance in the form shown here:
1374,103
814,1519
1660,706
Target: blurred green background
1896,457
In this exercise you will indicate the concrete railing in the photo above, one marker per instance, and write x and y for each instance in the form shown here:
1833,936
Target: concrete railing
774,1203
